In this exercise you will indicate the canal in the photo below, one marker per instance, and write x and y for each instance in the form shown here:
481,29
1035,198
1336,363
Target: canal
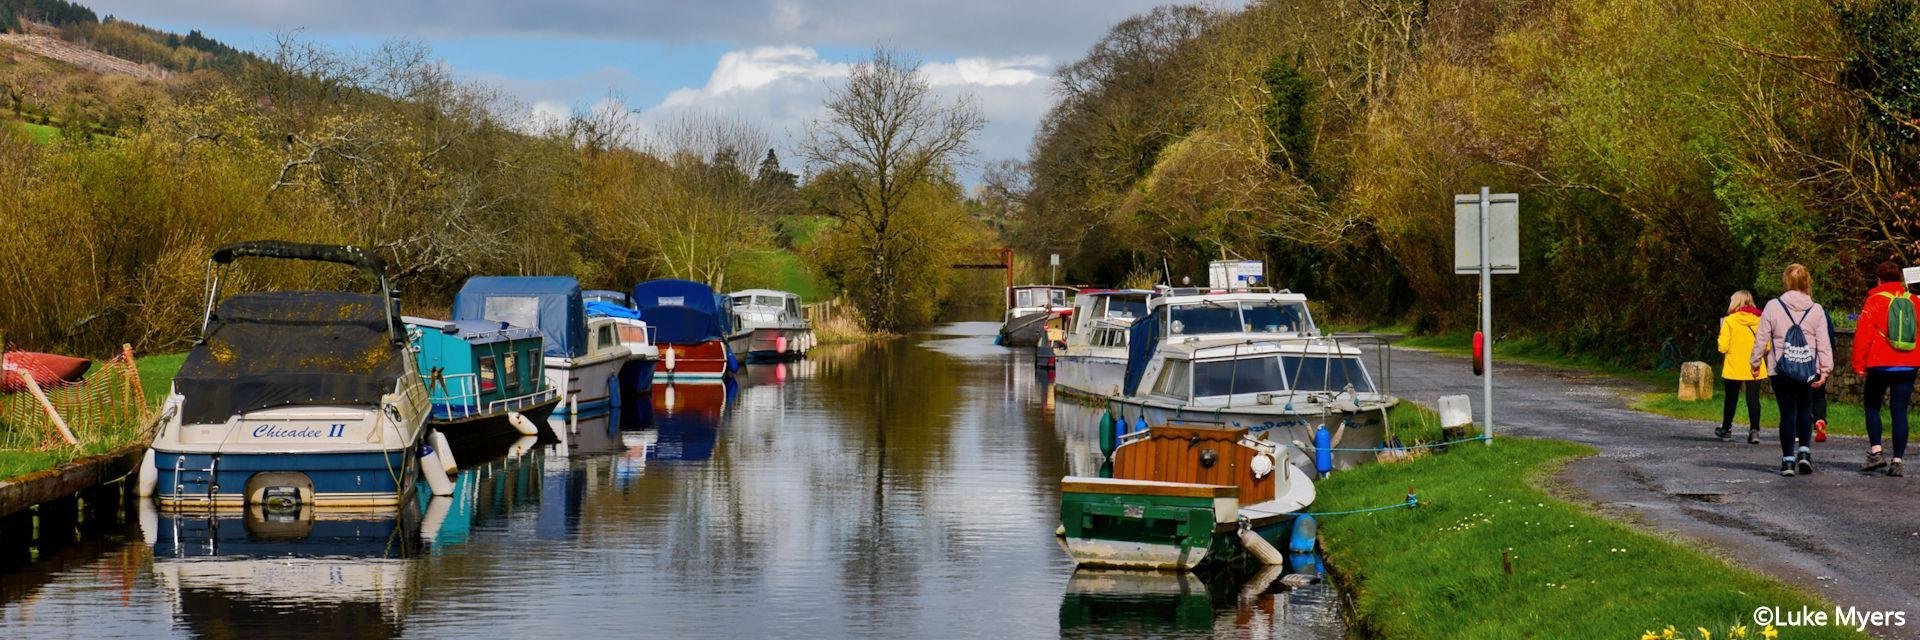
900,489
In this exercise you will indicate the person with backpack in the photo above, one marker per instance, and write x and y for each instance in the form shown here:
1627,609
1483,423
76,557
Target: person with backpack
1738,331
1884,353
1792,344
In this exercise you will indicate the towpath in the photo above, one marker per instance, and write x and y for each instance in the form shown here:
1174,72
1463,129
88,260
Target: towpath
1852,538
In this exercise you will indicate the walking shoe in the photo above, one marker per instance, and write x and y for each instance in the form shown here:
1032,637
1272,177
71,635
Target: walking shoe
1786,468
1804,461
1820,430
1753,436
1874,462
1895,471
1724,432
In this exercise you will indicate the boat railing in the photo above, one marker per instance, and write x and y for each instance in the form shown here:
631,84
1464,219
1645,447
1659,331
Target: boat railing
461,397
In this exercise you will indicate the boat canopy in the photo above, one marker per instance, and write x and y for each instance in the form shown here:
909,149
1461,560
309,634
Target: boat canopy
604,295
605,309
1142,338
551,304
271,349
682,311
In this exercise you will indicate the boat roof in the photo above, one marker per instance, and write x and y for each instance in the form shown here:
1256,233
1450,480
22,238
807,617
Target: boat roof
1091,293
763,292
269,349
681,311
551,304
1200,348
474,331
1042,286
1188,296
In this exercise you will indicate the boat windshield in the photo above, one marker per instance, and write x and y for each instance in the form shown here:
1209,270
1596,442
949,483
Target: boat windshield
1321,373
1039,298
1205,317
1126,308
1274,316
1233,377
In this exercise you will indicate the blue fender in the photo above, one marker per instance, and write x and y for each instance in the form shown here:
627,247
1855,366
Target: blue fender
1322,456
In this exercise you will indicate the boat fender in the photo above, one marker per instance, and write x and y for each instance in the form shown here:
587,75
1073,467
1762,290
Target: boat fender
1322,451
1107,435
444,452
521,447
671,361
1262,465
1140,425
149,522
613,395
149,476
780,344
436,479
436,516
1306,534
522,423
1260,548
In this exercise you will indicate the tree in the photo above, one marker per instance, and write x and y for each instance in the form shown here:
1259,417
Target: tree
771,176
886,138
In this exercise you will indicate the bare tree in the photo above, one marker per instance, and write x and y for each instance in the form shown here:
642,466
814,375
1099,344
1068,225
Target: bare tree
885,136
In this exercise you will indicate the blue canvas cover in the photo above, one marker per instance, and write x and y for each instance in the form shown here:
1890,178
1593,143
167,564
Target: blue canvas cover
1142,338
550,304
604,309
681,311
603,295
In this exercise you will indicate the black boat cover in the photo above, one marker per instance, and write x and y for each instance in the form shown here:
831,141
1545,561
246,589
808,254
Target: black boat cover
271,349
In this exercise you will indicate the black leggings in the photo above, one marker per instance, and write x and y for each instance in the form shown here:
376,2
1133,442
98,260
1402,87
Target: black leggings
1796,414
1882,384
1732,392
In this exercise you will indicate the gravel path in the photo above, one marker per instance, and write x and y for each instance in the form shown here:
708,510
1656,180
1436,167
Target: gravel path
1852,538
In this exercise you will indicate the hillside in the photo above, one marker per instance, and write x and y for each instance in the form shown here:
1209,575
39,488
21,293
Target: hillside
54,48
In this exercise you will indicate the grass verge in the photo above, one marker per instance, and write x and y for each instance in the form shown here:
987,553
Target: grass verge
1842,418
1436,571
156,376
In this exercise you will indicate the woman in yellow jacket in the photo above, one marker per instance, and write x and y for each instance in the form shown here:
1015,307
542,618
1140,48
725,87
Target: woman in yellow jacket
1737,332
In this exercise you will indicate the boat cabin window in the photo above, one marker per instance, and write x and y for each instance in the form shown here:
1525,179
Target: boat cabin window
1125,308
512,364
1320,373
539,363
1173,379
606,337
1039,297
1235,377
489,377
793,307
519,311
1107,337
632,334
1204,317
743,301
1273,316
1249,316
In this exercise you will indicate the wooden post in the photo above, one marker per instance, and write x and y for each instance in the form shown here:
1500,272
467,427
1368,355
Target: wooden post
47,404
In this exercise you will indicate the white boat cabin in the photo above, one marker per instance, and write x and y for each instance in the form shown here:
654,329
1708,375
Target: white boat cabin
1101,318
1236,371
1251,314
766,308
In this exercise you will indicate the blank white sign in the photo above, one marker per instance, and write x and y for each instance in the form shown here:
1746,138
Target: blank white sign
1503,233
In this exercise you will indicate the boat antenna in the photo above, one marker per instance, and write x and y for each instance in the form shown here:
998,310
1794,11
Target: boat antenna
1166,270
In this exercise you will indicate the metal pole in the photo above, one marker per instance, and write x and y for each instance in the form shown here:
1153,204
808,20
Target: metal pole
1486,315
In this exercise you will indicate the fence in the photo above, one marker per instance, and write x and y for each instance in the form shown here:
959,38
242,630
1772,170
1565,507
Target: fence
104,409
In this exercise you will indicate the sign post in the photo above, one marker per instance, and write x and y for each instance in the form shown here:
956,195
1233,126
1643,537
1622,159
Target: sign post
1053,260
1486,241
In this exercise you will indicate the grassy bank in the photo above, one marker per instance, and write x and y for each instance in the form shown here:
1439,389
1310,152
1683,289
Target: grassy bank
1436,571
156,374
1842,418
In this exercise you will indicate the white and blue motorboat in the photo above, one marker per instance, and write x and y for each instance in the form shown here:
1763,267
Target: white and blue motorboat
1093,362
583,356
291,399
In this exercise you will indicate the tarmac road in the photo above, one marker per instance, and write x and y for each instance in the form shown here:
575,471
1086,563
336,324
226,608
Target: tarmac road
1852,538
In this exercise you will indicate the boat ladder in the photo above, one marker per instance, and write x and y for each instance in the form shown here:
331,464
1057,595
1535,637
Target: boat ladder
204,480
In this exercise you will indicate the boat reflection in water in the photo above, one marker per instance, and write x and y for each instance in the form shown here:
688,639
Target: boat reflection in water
687,418
286,574
486,493
1101,603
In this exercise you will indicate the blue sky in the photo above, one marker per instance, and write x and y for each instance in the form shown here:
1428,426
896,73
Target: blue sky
767,63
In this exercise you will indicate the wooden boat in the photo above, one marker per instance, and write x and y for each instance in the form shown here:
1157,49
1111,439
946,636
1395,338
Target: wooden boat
1182,497
769,326
480,374
292,399
47,369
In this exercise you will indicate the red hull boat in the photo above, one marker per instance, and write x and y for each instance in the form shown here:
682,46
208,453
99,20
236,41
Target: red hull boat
47,369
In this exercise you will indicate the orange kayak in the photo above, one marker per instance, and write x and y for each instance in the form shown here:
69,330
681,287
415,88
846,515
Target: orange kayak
47,369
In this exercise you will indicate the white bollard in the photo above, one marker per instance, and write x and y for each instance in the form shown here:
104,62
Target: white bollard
149,477
444,452
523,424
1456,411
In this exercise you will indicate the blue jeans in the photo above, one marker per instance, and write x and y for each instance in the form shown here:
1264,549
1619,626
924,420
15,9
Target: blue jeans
1796,414
1898,387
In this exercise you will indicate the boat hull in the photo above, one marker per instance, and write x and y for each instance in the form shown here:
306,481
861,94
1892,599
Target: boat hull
495,421
708,360
1122,529
349,479
47,369
1025,330
1090,375
636,377
1365,429
589,387
772,344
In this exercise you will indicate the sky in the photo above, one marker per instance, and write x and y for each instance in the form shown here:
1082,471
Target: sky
769,63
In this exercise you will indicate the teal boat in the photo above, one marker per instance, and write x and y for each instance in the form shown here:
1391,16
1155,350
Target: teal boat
1183,497
480,373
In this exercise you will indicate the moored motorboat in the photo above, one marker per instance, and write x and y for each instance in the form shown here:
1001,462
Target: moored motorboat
292,399
636,376
481,374
582,361
769,326
1093,359
1182,497
691,327
1031,311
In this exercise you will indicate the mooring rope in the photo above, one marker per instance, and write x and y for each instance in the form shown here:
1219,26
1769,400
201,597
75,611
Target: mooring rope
1426,445
1412,502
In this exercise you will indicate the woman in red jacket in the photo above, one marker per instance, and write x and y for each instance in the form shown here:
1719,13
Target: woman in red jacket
1889,371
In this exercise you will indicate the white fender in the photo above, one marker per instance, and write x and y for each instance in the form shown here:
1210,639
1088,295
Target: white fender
436,478
522,424
437,509
521,447
149,476
573,413
1260,548
149,522
670,358
780,343
444,452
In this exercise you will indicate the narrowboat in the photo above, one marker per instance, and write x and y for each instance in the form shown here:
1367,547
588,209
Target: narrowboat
291,399
1093,360
691,326
582,358
1184,497
769,326
481,374
636,376
1030,309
